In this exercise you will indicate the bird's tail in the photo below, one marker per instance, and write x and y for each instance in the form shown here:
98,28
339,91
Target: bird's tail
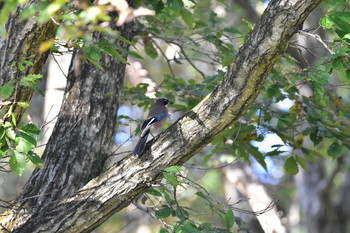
140,146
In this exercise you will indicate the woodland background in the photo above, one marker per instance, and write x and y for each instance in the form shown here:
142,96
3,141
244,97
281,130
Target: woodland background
281,167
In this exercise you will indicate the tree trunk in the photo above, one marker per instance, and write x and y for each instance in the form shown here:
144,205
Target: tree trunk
121,184
324,203
22,44
84,132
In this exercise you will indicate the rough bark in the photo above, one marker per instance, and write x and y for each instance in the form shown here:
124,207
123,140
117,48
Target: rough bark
122,183
22,43
323,202
84,132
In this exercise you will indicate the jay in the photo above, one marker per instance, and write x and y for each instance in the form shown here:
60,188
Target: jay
155,119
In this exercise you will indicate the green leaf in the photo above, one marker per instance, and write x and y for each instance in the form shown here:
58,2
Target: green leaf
95,63
150,50
190,228
3,151
347,74
172,179
326,22
175,5
273,91
134,54
8,124
93,53
301,161
343,24
308,155
32,78
154,192
164,212
258,156
187,16
50,10
167,197
173,169
29,63
2,132
10,133
18,162
24,104
111,49
7,90
291,166
229,219
200,24
35,159
315,137
30,129
30,81
334,150
227,60
23,145
13,118
162,230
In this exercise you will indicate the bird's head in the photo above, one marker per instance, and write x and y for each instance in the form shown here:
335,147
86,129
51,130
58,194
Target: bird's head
163,101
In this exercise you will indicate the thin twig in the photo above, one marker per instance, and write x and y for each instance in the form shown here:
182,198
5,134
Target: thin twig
318,38
59,66
167,60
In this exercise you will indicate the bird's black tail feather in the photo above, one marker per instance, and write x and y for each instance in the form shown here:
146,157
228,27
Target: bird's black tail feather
140,146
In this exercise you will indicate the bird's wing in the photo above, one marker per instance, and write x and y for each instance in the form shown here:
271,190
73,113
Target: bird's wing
151,121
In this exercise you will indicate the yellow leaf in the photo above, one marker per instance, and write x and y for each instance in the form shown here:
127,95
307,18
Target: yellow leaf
46,45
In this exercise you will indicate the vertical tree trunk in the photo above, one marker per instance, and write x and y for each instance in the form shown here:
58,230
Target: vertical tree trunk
84,132
324,203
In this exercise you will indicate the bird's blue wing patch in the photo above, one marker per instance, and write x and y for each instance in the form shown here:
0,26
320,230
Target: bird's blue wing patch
160,116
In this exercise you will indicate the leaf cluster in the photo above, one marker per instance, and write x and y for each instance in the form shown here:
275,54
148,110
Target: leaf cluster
185,218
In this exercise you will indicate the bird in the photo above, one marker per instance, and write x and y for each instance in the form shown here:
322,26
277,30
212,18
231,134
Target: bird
155,119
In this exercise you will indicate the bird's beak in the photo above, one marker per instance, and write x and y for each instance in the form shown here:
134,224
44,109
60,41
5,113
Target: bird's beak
170,102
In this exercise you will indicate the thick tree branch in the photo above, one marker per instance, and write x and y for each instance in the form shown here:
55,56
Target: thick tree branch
121,184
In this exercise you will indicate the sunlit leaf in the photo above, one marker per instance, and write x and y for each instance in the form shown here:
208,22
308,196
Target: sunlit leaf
172,179
30,129
10,133
18,162
173,169
7,90
24,104
326,22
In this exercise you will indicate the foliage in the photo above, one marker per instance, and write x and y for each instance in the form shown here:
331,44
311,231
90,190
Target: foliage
185,218
327,127
18,142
